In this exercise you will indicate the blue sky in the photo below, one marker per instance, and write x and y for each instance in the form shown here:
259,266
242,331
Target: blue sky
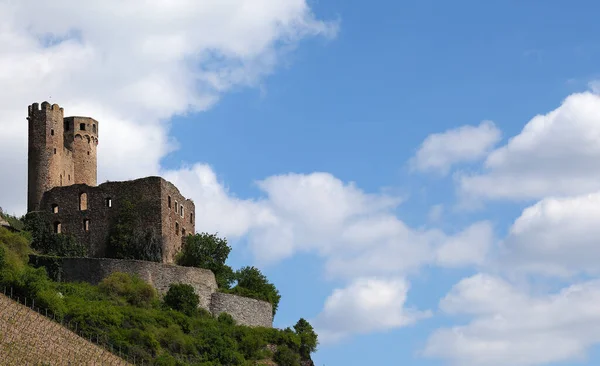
418,178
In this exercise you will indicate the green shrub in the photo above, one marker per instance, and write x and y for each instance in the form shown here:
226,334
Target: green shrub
210,252
181,297
131,288
284,356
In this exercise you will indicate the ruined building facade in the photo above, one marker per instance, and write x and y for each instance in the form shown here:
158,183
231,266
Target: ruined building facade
62,182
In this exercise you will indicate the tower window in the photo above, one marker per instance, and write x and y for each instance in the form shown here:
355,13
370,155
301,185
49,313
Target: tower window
83,201
54,151
86,224
176,228
57,228
181,211
52,132
82,126
94,128
176,207
55,208
108,202
169,201
88,153
191,218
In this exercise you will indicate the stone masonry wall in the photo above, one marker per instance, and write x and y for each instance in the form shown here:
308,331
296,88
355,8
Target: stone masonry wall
90,221
159,275
177,219
245,311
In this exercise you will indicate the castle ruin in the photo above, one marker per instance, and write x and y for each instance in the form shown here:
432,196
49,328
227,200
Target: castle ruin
62,181
62,174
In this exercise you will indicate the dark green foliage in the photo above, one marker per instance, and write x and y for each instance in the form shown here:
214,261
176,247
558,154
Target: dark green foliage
182,297
252,283
128,241
131,288
308,338
44,241
286,357
210,252
52,264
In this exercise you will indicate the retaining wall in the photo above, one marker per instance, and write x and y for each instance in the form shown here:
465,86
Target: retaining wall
245,311
159,275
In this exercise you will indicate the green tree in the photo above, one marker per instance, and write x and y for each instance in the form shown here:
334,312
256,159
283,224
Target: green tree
308,338
284,356
210,252
182,297
252,283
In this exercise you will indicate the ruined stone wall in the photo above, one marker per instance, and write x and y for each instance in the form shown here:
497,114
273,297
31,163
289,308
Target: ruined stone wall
245,311
159,275
88,213
177,218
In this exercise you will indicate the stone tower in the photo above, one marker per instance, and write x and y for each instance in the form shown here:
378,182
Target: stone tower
62,151
81,133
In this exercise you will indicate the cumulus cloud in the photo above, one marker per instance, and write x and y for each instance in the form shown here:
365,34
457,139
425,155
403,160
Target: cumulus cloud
356,232
556,154
133,65
509,326
556,237
366,305
463,144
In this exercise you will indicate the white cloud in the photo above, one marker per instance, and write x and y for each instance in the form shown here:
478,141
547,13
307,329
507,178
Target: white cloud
470,246
556,236
512,327
364,306
132,65
555,154
357,233
463,144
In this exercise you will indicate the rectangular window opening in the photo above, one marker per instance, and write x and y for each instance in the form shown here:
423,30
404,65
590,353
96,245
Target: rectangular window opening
191,218
82,126
181,210
108,202
176,228
51,132
57,228
54,151
55,208
86,224
176,207
169,201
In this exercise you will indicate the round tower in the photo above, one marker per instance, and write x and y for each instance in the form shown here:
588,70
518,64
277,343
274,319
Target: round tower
83,137
46,143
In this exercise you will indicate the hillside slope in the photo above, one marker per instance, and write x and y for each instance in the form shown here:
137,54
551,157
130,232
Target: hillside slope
29,338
